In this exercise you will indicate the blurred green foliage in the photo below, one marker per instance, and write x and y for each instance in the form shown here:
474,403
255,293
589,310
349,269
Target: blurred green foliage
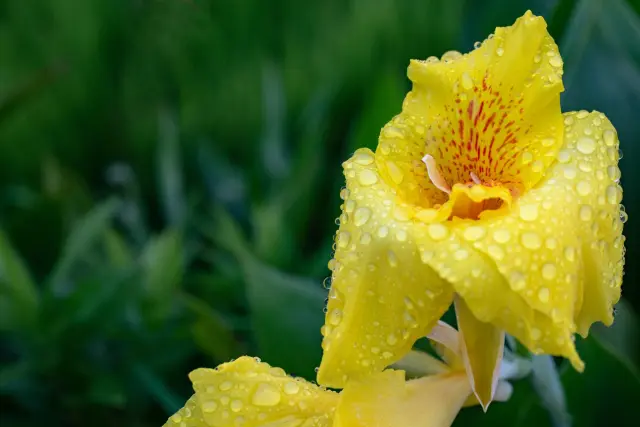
170,172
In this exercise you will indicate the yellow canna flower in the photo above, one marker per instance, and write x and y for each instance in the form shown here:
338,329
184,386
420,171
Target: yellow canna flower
483,194
250,393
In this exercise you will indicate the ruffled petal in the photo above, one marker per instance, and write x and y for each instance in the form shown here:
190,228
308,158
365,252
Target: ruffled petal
481,347
251,393
383,297
491,115
386,400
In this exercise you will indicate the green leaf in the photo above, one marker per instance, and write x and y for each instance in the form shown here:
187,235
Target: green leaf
118,253
286,312
623,337
17,286
546,382
163,270
210,331
169,170
80,241
608,391
154,385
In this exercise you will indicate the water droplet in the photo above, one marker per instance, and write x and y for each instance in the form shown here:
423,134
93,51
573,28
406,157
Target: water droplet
517,281
543,295
499,51
367,177
496,252
343,238
460,255
401,213
266,395
535,334
375,350
569,171
531,240
176,418
209,406
384,148
426,255
555,61
365,239
501,236
392,258
583,188
335,317
527,158
476,45
395,172
467,82
393,132
401,235
226,385
609,137
551,243
349,206
613,172
613,194
451,55
387,355
586,145
570,253
586,213
474,233
361,216
236,405
392,339
437,231
564,156
582,114
291,387
548,142
537,166
529,212
383,231
549,271
224,400
363,158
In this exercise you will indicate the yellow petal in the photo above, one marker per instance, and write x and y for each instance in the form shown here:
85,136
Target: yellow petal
492,115
482,347
188,416
386,400
251,393
383,297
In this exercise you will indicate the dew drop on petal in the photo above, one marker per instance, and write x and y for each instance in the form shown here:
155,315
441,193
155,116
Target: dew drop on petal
529,212
613,172
401,235
291,387
501,236
496,252
437,231
569,171
266,395
517,281
549,271
586,145
570,254
535,334
367,177
586,213
564,156
609,137
383,231
583,188
226,385
392,339
467,82
209,406
365,238
343,239
555,61
363,158
474,233
460,255
392,259
395,172
531,240
361,216
543,295
613,194
236,405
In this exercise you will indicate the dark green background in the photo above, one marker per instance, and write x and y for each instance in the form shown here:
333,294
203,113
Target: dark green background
169,179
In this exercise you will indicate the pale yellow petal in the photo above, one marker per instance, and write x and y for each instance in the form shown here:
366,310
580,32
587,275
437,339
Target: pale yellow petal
481,347
383,296
386,400
251,393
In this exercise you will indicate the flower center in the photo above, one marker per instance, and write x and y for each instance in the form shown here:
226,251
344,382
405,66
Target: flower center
463,204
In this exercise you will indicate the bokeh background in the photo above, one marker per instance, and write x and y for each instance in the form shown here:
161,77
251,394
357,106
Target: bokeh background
169,179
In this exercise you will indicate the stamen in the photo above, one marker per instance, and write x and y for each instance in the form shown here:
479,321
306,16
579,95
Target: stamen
434,174
475,178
